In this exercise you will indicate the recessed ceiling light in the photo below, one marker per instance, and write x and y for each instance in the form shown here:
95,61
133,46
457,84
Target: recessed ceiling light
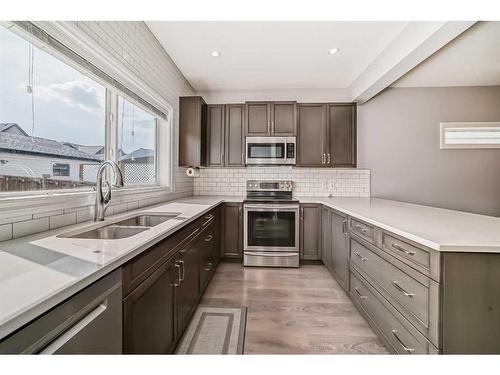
333,51
215,53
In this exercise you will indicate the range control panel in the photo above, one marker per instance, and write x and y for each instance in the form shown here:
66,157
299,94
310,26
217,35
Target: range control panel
268,185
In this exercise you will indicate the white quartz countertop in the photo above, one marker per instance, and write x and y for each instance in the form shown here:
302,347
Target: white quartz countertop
40,271
437,228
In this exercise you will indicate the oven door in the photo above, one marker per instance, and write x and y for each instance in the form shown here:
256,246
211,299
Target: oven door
268,150
271,227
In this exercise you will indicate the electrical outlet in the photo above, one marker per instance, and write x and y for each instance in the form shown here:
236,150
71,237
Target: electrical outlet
331,185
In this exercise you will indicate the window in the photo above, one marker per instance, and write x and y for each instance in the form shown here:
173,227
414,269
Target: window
136,143
48,110
59,169
60,117
470,134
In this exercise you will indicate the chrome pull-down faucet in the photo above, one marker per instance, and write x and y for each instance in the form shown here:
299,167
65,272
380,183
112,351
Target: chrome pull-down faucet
102,200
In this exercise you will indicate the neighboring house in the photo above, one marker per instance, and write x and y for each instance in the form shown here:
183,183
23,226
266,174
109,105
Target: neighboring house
139,166
25,156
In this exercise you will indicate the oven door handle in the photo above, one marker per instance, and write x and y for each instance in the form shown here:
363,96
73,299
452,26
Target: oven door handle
271,254
271,207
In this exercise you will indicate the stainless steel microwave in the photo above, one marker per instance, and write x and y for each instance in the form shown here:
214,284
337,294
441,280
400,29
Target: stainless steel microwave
270,150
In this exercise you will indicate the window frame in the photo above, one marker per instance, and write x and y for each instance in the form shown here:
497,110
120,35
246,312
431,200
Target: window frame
163,132
443,126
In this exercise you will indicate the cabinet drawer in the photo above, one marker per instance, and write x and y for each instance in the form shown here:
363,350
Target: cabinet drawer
363,230
410,252
143,265
402,337
406,291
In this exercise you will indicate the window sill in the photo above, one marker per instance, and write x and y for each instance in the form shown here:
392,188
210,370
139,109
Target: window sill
22,203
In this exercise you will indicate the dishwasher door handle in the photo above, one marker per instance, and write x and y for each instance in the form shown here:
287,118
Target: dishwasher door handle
59,342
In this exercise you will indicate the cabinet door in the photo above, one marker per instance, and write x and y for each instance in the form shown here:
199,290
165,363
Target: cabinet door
188,291
310,231
311,135
284,118
326,235
192,131
215,136
340,248
232,230
257,119
148,314
342,135
235,135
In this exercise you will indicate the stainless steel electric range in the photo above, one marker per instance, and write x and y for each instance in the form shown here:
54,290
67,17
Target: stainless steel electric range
270,225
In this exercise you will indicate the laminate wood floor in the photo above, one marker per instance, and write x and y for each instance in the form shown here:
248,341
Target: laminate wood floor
292,311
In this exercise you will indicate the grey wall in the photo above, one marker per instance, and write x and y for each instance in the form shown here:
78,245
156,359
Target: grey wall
398,139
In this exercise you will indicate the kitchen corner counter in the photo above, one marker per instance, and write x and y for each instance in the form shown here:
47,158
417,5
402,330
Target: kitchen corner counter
439,229
40,271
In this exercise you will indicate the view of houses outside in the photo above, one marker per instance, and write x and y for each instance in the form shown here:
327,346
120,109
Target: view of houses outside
52,124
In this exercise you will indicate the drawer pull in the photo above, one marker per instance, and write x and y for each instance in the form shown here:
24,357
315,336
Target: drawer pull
357,226
209,268
182,274
398,287
178,281
209,216
359,293
360,257
405,348
397,247
209,238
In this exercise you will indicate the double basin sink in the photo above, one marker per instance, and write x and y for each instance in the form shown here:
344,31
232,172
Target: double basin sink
124,228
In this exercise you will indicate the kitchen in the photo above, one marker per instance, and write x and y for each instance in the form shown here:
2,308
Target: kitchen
249,200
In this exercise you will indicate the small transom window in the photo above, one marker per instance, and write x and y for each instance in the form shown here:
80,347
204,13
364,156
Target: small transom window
470,134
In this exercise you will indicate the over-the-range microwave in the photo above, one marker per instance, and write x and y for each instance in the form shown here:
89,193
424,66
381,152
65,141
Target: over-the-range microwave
270,150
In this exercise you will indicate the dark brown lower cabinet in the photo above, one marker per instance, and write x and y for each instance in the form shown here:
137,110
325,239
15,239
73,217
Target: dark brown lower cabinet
232,230
157,311
326,237
148,314
188,291
340,249
310,231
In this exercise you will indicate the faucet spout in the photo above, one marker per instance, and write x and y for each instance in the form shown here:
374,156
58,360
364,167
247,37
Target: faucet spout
102,200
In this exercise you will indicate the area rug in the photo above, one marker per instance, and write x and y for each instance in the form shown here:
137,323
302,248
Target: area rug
215,330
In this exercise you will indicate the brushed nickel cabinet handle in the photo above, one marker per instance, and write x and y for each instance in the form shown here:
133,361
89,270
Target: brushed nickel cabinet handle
328,156
359,293
405,348
323,159
208,238
398,287
361,257
400,248
178,281
344,226
357,226
182,265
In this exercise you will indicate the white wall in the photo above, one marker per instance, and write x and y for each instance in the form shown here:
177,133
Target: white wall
398,140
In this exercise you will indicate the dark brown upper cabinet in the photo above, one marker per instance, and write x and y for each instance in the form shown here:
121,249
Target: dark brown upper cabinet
234,149
192,131
326,135
311,135
270,119
342,135
215,135
225,135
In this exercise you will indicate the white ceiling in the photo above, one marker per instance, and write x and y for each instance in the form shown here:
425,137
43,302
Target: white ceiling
472,59
273,55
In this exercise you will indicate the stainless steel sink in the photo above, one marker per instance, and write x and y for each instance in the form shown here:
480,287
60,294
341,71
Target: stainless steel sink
146,220
110,232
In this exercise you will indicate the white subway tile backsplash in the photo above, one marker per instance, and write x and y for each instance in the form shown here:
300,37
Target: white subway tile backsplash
307,182
25,228
58,221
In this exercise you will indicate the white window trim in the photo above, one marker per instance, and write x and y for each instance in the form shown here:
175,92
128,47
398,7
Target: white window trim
446,125
73,38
